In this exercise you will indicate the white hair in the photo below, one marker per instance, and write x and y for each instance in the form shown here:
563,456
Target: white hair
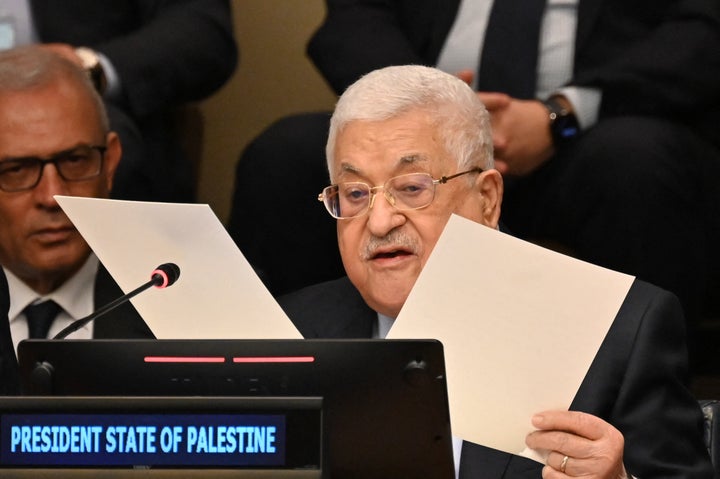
29,67
457,113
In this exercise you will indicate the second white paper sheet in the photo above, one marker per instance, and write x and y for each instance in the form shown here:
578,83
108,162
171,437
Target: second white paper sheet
218,295
520,326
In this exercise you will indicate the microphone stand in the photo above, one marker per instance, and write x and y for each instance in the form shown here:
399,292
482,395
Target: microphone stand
75,325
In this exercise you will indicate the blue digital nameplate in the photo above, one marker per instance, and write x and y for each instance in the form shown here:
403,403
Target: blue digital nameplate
255,433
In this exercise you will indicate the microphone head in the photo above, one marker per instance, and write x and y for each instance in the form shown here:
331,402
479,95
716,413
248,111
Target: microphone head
165,275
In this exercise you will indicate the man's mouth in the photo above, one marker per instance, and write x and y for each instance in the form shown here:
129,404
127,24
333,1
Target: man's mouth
391,254
54,234
390,249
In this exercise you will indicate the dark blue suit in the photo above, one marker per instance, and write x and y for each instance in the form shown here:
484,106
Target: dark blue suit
635,381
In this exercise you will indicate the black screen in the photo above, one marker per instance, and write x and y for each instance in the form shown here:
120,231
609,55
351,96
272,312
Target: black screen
385,409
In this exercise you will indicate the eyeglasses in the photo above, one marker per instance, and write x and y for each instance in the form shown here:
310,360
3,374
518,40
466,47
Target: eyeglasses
405,192
79,164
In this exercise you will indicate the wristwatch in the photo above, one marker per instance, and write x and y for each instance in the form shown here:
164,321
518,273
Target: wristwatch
91,63
564,126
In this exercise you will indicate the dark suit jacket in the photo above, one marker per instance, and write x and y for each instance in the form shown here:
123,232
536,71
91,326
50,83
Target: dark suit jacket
636,381
649,57
8,361
123,322
166,53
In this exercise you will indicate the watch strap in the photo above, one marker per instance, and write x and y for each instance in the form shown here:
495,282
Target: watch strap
564,125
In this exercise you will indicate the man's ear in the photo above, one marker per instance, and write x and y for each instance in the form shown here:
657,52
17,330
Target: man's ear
112,157
490,185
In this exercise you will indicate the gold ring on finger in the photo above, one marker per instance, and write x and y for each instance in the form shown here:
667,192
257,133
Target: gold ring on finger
563,464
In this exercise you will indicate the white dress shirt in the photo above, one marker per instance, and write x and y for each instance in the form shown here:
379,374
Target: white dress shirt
464,43
75,296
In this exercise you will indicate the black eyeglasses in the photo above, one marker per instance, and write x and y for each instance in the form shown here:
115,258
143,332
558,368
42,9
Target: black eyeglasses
406,192
79,164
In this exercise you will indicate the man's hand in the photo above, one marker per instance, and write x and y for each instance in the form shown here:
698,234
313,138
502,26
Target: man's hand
579,444
521,133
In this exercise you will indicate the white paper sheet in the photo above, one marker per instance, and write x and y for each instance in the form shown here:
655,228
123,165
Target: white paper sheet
520,326
218,295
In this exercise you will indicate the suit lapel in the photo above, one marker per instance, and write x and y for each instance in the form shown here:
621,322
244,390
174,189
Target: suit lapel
351,317
9,376
480,462
121,322
444,13
588,11
43,14
600,383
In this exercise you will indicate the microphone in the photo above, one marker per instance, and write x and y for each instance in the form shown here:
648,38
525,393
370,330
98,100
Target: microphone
163,276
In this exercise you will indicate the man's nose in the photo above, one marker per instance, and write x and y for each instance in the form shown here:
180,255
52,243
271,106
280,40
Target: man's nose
383,217
51,184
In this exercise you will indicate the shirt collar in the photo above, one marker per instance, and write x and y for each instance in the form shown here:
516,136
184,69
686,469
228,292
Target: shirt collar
382,328
71,295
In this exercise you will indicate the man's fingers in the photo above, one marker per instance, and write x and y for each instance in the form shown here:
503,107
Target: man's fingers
579,423
494,100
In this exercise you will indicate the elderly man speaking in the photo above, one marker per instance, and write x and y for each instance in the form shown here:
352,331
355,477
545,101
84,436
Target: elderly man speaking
409,146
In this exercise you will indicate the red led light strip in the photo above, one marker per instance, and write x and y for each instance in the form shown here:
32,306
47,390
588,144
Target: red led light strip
243,359
183,359
275,359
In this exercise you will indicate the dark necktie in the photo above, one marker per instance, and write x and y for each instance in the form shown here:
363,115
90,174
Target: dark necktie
39,317
509,57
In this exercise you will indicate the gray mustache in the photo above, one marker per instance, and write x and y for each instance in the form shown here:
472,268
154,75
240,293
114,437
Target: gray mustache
395,239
